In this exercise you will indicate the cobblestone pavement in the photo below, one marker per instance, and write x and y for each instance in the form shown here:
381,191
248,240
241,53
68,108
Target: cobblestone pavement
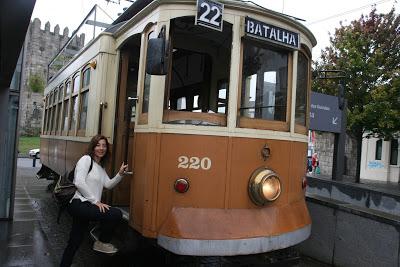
35,206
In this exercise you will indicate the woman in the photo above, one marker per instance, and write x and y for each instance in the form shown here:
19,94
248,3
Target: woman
86,204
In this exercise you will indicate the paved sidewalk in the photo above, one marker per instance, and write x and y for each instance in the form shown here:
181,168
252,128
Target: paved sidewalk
22,240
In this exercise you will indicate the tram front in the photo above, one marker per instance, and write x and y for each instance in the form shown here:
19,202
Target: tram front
220,154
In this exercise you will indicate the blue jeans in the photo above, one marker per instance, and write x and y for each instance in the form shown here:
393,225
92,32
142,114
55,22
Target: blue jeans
83,213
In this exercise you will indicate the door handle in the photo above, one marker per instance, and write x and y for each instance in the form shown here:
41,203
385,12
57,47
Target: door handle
133,98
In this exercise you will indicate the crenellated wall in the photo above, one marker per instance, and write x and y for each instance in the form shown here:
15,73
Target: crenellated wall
40,47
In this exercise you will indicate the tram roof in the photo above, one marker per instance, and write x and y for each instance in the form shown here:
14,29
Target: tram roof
138,5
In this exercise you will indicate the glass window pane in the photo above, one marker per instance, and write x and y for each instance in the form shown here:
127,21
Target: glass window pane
200,73
378,150
60,93
74,112
68,89
86,78
394,151
77,81
65,116
301,89
264,86
83,113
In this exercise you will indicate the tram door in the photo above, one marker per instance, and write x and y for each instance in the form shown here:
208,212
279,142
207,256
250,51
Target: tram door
125,120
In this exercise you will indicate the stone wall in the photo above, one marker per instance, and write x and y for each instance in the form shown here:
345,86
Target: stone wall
40,48
324,144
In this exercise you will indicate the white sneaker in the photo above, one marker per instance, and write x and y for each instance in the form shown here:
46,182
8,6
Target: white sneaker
104,247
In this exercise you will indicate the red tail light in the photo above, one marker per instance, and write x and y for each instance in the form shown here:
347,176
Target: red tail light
181,185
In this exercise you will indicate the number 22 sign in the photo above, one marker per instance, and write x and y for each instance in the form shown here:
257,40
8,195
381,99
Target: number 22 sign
209,14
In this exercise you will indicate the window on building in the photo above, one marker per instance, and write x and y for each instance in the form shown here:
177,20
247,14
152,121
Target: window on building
394,151
378,150
264,95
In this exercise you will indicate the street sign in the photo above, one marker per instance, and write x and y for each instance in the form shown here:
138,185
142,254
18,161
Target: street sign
209,14
325,114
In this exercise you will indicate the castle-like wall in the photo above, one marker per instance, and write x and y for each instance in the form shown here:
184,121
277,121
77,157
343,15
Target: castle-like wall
40,48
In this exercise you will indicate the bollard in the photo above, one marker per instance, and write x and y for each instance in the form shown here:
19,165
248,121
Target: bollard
34,161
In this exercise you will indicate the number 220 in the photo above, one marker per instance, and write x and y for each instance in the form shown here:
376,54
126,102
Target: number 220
194,163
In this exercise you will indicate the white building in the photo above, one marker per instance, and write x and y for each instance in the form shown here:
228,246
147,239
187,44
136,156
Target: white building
380,160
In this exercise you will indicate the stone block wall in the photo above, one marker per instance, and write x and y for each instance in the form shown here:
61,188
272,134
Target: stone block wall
40,48
324,145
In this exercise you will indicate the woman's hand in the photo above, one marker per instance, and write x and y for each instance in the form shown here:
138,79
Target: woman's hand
123,169
103,207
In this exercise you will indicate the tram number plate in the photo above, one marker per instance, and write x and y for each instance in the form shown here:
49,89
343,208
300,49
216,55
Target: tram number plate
194,163
209,14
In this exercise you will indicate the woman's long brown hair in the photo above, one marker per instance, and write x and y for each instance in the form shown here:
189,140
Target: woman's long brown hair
93,143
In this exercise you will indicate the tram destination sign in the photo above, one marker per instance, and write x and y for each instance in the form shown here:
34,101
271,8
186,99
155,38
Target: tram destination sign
325,114
209,14
268,32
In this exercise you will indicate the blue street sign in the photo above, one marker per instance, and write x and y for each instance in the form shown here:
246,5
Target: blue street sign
325,114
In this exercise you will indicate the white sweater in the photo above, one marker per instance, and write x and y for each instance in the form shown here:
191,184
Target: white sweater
90,185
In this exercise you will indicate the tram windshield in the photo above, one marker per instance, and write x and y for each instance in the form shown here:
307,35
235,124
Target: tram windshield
199,74
264,82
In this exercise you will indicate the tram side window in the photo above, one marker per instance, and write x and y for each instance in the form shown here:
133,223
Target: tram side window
66,107
59,106
264,82
301,89
51,111
54,123
74,104
84,101
199,74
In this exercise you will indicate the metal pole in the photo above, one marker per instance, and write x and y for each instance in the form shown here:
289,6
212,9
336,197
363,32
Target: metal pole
340,138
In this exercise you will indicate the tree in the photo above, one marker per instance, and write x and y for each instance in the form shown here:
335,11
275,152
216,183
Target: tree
368,50
36,83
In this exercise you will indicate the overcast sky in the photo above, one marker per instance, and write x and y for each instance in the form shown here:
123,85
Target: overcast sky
321,16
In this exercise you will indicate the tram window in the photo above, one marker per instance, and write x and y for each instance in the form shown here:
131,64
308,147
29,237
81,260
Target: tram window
200,58
68,89
84,95
83,113
77,81
74,114
301,89
264,82
146,87
64,125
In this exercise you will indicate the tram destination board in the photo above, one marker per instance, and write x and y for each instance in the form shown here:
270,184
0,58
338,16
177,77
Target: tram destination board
209,14
325,114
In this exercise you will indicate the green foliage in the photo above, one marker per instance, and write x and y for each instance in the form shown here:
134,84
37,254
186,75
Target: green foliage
36,83
368,50
27,143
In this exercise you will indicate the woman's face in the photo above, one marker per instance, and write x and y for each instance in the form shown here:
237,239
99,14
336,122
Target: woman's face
100,149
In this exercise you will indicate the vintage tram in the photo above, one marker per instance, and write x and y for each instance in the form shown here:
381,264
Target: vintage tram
208,103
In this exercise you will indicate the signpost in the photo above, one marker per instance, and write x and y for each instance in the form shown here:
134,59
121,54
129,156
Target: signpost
325,114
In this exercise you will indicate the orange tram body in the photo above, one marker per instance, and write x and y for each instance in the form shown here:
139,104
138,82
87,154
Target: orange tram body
212,122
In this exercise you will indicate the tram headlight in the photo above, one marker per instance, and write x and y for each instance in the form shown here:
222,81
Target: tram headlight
264,186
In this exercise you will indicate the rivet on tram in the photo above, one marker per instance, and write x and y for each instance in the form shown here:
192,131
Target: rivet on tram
265,152
181,185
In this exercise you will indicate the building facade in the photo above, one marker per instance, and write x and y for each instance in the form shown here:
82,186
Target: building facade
380,160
